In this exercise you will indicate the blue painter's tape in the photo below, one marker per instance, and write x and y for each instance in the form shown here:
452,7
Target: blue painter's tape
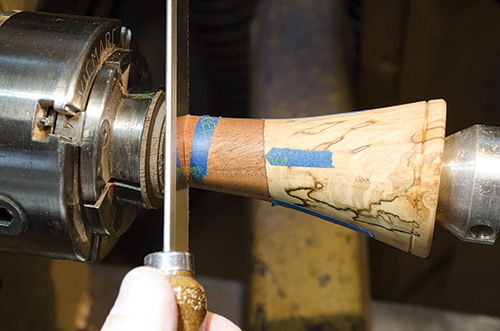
299,158
276,202
178,170
202,137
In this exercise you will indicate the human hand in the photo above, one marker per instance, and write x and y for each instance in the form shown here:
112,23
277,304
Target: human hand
147,302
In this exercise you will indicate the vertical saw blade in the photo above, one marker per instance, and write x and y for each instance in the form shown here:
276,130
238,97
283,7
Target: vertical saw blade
176,205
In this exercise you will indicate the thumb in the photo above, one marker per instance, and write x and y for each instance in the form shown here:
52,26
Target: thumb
218,323
146,302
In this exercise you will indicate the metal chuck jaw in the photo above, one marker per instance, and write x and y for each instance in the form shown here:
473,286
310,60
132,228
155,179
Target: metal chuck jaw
80,145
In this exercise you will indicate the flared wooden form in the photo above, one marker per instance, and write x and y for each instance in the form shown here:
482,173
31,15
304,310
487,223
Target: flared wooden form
385,172
376,171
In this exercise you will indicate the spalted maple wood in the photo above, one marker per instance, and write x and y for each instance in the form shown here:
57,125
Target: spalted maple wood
381,171
386,169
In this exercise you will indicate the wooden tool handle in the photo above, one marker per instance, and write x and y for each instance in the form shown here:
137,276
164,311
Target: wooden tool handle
376,171
191,302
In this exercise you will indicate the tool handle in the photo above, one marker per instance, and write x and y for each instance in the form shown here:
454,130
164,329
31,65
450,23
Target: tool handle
191,302
375,171
178,267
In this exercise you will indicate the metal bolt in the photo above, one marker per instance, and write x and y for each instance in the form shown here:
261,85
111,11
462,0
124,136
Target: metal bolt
45,122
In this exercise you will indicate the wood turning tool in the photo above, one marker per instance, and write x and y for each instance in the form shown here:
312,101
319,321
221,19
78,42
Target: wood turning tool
175,261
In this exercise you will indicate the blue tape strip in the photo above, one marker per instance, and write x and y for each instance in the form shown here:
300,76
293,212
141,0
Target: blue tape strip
299,158
202,137
178,170
276,202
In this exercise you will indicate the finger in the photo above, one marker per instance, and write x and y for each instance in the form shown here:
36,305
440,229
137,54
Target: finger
218,323
146,302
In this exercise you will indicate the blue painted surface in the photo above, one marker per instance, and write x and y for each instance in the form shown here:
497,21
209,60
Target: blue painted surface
178,170
276,202
299,158
202,137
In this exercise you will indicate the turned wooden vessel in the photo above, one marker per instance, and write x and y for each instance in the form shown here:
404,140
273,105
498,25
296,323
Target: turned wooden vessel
375,171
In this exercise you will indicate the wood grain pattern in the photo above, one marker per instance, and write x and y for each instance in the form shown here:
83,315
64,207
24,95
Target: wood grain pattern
236,163
383,177
387,165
